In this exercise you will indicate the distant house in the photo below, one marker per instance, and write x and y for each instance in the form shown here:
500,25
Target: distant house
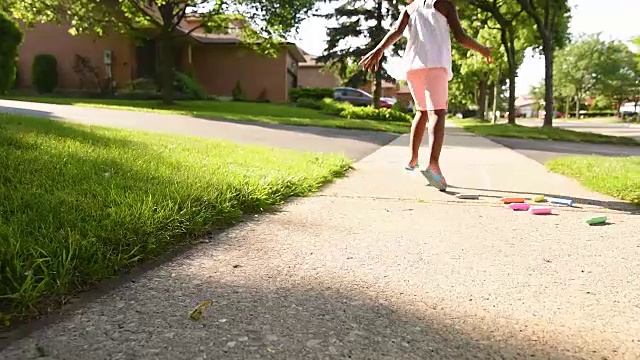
314,74
526,107
218,62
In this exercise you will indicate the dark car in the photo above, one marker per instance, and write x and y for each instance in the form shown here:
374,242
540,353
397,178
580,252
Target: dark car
358,97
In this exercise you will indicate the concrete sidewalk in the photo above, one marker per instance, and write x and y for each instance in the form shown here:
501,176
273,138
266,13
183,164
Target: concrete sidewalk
379,266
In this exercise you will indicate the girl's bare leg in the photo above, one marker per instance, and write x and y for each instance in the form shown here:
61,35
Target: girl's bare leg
436,138
418,127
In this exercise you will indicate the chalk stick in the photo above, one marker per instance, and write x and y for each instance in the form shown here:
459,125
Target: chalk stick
567,202
539,198
468,196
513,200
519,206
596,220
541,210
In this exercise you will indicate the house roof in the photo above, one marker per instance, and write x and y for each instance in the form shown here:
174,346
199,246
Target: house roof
310,60
524,101
231,39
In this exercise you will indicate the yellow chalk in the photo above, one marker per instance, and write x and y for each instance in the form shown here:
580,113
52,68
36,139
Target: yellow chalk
196,314
539,198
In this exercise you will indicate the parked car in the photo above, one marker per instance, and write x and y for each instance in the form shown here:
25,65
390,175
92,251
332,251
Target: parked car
629,109
358,97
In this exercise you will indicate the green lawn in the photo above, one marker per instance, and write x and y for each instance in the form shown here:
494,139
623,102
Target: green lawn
231,110
539,133
615,176
79,204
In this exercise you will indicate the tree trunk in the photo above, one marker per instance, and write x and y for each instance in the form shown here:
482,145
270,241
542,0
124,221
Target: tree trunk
567,105
577,105
496,94
508,41
482,98
377,90
547,49
166,71
512,95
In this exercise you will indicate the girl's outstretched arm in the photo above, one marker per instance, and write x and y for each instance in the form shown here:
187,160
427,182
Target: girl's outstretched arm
370,61
449,10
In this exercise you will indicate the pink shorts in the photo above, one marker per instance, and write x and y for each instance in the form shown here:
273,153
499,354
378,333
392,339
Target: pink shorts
429,88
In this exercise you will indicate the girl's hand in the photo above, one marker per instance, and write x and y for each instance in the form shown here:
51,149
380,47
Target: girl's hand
370,62
486,52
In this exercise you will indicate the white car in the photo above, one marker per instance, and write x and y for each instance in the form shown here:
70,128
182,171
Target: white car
629,109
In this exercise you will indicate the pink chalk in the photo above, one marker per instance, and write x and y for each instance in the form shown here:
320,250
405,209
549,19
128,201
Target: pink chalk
519,206
541,210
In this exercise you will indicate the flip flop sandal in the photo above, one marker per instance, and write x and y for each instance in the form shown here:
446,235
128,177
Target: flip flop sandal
411,168
435,180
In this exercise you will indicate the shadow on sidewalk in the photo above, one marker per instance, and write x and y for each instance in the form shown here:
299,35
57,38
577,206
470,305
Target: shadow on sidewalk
621,206
28,112
380,138
277,323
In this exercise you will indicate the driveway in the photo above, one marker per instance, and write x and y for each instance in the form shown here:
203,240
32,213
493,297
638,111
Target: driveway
598,126
355,144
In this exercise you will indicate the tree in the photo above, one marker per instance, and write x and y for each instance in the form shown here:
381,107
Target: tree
580,66
267,22
503,15
552,23
636,42
10,39
360,21
619,75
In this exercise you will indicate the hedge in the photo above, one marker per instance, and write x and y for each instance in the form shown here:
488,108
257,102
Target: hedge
310,93
346,110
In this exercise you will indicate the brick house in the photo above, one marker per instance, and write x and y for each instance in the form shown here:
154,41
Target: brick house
218,62
313,74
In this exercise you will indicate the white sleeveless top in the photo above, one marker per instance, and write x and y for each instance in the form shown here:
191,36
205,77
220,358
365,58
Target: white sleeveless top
428,39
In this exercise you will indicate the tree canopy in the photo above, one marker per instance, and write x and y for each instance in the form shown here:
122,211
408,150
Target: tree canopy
268,21
552,19
360,26
591,66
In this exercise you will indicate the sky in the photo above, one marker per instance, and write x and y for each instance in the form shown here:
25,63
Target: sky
613,18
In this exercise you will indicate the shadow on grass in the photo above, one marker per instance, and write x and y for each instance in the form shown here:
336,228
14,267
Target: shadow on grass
271,321
73,216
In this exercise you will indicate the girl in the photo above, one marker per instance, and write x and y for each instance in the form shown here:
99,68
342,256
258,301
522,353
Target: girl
428,60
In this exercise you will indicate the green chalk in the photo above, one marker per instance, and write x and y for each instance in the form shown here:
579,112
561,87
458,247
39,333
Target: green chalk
596,220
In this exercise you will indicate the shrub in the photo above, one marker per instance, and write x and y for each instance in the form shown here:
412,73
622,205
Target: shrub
310,93
333,107
189,87
370,113
237,93
400,107
309,103
590,114
10,39
85,70
143,84
44,73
